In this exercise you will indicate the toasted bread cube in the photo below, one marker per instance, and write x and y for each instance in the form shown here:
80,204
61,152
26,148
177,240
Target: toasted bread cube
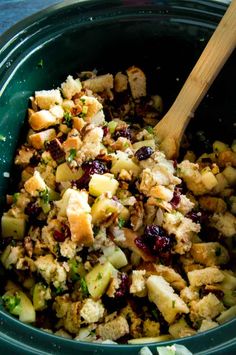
99,83
80,219
209,180
45,99
37,140
71,87
78,123
114,329
137,82
57,111
230,174
224,223
120,82
209,254
161,192
208,308
93,106
207,276
213,204
171,276
166,300
42,119
35,184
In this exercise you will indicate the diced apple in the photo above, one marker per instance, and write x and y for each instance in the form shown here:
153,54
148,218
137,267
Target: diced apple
40,295
157,339
64,173
103,208
146,143
116,256
122,161
13,226
98,279
100,184
209,180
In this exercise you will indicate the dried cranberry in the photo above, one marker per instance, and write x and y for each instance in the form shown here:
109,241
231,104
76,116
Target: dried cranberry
33,210
123,287
151,232
105,130
175,163
90,167
176,198
163,244
124,132
194,216
144,153
59,236
140,243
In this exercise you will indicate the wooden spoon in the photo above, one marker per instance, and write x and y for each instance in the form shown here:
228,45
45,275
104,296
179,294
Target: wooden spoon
222,43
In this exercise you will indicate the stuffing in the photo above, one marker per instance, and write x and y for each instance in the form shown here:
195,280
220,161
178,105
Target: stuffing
171,276
185,205
206,325
224,223
45,99
137,82
92,311
209,307
151,328
137,215
209,254
191,175
120,82
91,145
11,255
68,248
24,155
37,140
167,301
71,87
80,219
209,275
189,294
183,228
135,323
51,270
35,184
99,83
138,285
92,105
114,329
230,174
42,119
181,329
227,157
212,204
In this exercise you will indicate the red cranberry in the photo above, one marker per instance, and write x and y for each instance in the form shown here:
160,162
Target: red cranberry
56,150
144,153
198,217
105,130
59,236
90,167
176,198
124,132
123,287
151,233
32,210
163,244
140,243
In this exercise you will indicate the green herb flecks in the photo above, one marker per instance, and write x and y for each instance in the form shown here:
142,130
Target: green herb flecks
121,222
155,314
68,119
84,287
15,197
74,266
12,303
149,129
44,195
72,155
99,277
173,304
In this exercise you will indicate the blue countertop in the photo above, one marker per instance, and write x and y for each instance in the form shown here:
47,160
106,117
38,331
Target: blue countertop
12,11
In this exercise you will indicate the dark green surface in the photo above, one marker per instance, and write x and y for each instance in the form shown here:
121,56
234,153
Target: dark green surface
164,38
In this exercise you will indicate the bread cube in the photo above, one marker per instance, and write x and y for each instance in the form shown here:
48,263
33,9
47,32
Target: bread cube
120,82
99,83
207,276
209,254
71,87
37,140
166,300
137,82
35,184
42,119
45,99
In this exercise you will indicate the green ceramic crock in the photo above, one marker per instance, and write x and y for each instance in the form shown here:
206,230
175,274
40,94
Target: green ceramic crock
164,37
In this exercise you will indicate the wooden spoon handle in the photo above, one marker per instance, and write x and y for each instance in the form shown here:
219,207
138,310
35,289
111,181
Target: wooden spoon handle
215,54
